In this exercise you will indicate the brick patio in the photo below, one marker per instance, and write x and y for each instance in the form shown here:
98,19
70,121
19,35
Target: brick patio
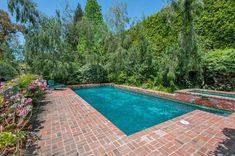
73,127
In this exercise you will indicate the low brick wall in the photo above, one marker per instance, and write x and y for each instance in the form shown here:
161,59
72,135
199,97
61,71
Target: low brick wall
207,100
182,95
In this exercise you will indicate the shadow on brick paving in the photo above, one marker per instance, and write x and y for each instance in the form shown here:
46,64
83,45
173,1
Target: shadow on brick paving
227,147
36,123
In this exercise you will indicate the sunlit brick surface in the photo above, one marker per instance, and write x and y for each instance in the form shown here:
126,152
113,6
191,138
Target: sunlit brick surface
73,127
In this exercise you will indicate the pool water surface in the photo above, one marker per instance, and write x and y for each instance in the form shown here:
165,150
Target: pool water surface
132,112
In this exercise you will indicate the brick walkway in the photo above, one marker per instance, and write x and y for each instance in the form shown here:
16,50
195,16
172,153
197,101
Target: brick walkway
72,127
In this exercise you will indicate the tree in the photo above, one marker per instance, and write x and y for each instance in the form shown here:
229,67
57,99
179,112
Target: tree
25,10
8,67
7,30
189,58
120,42
118,17
6,27
78,14
93,12
72,33
45,50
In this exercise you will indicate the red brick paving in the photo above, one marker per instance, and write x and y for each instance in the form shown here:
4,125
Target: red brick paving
73,127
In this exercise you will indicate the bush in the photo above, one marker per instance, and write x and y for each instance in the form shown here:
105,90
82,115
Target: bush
24,80
92,74
134,80
121,78
219,69
7,71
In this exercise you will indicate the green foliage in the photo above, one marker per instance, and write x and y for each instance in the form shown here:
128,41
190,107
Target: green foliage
7,138
121,78
46,53
214,27
118,17
92,74
7,71
11,127
93,12
25,10
219,69
24,80
8,66
10,139
216,24
162,52
78,14
1,100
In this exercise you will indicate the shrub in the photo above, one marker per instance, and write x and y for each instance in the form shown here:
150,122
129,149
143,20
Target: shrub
92,74
24,80
7,71
36,89
165,89
148,84
219,69
134,80
121,78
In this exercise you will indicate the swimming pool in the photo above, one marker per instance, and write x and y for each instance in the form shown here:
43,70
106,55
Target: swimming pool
132,112
213,93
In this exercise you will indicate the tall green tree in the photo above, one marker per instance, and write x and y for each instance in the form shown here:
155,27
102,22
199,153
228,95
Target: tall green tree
78,14
117,20
187,68
45,49
93,12
190,58
72,33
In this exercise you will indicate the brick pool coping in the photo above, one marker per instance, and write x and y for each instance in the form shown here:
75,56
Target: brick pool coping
72,127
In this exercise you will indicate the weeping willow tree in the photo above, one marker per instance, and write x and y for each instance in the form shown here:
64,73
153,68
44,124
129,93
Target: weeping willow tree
44,50
117,20
185,65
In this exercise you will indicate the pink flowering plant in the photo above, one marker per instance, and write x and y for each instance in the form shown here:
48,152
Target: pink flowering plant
37,88
38,84
16,108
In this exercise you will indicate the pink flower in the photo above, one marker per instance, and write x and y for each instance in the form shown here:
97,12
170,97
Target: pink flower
23,112
41,84
28,101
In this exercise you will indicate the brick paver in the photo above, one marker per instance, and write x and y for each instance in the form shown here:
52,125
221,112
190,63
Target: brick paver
73,127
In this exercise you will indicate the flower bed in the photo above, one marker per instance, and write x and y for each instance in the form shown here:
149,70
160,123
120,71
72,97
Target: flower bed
16,105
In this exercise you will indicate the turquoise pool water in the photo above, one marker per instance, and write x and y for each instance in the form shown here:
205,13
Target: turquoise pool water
213,93
132,112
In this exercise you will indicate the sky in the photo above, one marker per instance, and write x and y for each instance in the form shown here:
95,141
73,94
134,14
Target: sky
137,9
